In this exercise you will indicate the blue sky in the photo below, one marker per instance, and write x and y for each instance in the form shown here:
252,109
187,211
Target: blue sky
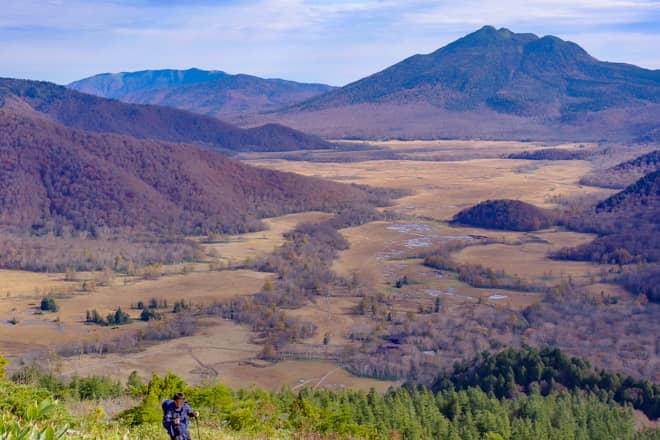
331,41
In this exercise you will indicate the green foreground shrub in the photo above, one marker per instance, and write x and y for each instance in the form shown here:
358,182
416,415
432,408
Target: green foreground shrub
32,413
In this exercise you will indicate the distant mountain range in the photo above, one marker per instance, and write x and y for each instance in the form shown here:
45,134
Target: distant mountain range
206,92
491,84
87,112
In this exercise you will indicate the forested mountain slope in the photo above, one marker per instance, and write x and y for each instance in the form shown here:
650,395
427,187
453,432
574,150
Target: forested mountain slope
78,110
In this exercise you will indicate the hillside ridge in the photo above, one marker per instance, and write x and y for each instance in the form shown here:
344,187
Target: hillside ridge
92,113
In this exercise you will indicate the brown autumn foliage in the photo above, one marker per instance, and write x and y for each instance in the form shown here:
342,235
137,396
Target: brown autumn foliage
302,268
414,346
52,177
629,227
67,254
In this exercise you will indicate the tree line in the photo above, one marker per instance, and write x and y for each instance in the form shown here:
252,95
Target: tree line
458,411
509,373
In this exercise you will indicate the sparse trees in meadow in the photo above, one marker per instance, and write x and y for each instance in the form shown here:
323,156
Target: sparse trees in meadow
118,317
48,304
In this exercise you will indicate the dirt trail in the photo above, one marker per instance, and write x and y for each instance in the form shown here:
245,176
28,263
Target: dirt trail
328,374
212,371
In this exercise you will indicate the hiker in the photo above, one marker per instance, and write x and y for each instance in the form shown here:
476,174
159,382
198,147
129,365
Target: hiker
175,417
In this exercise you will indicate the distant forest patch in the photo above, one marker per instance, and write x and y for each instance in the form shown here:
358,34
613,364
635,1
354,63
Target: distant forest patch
505,214
550,154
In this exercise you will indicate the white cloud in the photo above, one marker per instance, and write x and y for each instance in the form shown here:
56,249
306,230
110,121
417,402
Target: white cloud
334,41
69,16
253,16
587,13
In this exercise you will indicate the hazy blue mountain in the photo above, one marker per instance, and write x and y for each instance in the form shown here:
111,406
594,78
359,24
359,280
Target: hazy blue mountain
207,92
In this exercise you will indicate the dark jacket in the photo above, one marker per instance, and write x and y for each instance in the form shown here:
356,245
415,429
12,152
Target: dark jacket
170,413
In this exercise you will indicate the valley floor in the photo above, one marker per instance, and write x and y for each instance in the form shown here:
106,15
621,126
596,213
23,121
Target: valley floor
380,253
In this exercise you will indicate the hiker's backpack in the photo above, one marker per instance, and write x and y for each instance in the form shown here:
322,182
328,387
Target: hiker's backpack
167,406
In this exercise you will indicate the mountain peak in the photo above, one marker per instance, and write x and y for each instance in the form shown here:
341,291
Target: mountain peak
530,84
555,50
490,36
489,30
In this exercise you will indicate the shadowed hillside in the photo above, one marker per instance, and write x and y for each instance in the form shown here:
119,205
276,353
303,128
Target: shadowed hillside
634,209
87,112
629,227
641,195
213,93
625,173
